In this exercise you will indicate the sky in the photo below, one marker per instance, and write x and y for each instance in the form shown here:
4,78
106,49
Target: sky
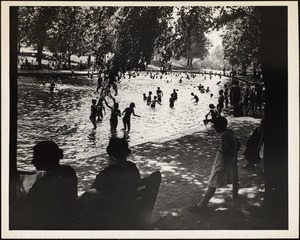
215,39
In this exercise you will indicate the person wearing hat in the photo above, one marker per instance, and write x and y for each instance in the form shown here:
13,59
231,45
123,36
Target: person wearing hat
109,204
51,198
213,112
120,173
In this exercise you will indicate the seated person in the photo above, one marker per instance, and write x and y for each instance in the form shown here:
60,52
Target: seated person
119,172
114,190
51,198
214,114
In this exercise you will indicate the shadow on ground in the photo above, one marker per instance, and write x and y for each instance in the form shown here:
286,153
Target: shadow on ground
185,165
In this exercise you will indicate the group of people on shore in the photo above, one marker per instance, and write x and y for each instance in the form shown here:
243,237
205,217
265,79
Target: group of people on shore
250,97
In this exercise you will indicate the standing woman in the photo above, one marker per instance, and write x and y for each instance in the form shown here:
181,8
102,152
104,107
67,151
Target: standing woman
222,169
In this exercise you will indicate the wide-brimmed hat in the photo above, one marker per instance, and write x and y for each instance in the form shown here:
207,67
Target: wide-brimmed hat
118,147
46,152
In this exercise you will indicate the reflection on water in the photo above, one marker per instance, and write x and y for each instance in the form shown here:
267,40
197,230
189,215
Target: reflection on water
63,115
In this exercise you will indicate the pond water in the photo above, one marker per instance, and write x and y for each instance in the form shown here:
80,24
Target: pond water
63,115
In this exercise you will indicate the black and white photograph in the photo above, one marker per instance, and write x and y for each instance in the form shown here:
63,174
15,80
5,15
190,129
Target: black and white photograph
137,119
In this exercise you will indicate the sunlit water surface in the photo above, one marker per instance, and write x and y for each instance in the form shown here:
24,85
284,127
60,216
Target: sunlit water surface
63,116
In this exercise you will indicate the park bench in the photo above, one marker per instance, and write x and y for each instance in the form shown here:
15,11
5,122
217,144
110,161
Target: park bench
98,213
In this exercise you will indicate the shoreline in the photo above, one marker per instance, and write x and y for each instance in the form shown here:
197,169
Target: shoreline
70,73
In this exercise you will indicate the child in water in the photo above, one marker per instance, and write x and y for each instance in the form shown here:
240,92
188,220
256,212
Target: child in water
126,119
214,114
52,85
195,97
144,97
172,100
154,101
159,94
149,98
93,113
100,109
115,112
175,95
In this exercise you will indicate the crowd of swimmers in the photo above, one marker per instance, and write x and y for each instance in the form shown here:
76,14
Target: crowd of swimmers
234,100
238,99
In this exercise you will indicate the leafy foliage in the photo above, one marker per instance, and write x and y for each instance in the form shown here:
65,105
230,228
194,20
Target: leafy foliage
193,22
132,34
241,39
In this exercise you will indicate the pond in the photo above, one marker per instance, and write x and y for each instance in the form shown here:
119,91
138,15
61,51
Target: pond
63,115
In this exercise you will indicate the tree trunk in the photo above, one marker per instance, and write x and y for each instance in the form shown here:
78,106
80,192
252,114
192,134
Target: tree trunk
39,55
69,60
89,61
189,62
274,69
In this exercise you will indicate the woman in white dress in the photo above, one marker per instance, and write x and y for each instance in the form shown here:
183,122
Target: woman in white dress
221,173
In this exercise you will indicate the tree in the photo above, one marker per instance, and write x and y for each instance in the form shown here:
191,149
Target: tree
191,41
241,38
34,23
99,30
137,31
67,32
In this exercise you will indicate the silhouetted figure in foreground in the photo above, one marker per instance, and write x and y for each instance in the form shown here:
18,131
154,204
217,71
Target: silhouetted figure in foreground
50,202
114,190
